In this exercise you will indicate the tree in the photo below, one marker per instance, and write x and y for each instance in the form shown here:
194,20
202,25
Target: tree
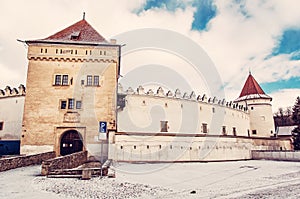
296,119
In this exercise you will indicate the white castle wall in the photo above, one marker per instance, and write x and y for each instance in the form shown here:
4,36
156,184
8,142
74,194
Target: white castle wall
185,114
172,148
11,112
260,112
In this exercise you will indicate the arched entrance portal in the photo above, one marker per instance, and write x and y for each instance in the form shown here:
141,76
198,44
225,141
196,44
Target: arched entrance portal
70,142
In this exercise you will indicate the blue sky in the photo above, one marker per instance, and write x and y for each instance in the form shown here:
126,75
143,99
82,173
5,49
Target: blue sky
238,35
286,44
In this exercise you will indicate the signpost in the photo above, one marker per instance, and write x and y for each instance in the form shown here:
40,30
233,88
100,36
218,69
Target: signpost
102,130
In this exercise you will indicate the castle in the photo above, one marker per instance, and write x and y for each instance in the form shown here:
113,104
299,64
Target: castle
71,105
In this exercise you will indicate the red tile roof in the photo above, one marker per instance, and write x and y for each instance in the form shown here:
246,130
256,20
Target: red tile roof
80,32
252,90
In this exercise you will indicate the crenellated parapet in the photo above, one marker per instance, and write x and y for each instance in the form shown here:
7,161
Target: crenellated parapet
13,92
179,96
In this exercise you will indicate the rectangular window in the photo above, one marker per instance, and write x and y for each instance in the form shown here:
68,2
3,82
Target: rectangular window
63,104
204,128
65,80
234,131
89,80
254,132
57,80
163,126
224,130
1,126
78,104
96,80
71,104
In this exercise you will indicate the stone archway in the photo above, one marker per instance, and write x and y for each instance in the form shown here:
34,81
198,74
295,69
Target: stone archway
70,142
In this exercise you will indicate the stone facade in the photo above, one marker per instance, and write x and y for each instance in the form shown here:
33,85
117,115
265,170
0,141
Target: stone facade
70,87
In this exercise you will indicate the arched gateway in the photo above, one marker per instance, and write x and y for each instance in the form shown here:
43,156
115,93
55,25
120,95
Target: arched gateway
70,142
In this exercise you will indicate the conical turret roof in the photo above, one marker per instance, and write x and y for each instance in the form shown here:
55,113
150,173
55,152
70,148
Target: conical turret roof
252,90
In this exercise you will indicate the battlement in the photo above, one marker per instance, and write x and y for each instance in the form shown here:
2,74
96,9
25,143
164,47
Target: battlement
178,95
13,92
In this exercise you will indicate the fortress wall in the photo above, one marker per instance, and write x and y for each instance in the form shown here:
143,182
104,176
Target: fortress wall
172,148
144,113
11,112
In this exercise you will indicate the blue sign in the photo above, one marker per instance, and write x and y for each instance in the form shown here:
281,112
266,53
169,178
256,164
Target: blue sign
102,127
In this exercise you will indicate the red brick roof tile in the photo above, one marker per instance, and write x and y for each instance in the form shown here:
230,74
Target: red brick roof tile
252,90
81,31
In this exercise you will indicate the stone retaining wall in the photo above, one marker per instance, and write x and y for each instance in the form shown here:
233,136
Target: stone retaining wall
64,162
276,155
23,161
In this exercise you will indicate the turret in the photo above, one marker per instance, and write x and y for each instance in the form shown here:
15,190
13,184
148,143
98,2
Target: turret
260,108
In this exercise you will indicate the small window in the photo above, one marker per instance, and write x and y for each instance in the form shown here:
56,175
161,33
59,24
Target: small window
65,80
78,104
63,104
213,109
1,126
204,128
104,52
46,50
254,132
96,80
147,146
75,52
61,51
71,104
163,126
224,130
134,147
56,51
89,80
100,52
234,131
57,80
41,50
82,82
252,108
86,52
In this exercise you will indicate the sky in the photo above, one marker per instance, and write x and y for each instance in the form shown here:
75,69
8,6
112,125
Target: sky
238,35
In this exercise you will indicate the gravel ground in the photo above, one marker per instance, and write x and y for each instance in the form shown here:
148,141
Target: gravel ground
104,188
243,179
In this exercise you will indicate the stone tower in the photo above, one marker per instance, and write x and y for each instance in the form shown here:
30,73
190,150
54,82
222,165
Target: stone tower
71,92
260,108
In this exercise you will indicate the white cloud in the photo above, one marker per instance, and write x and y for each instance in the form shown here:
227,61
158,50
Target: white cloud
284,98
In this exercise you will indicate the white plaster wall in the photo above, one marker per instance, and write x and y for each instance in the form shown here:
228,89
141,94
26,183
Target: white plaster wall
143,113
175,148
261,117
11,113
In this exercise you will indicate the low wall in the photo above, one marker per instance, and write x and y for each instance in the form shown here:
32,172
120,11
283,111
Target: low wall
64,162
136,147
23,161
276,155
